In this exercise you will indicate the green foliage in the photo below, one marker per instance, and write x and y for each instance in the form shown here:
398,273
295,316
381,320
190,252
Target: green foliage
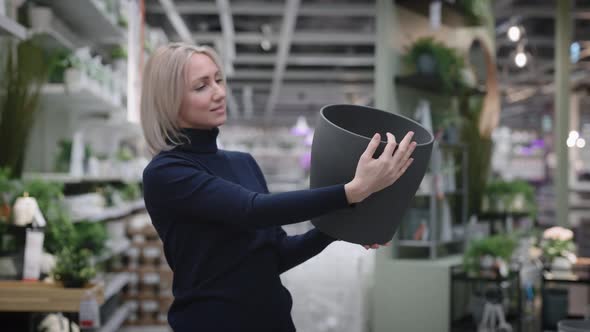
124,153
475,10
449,63
23,75
64,155
131,191
501,246
91,236
508,190
59,231
479,151
62,61
73,268
553,248
9,187
119,52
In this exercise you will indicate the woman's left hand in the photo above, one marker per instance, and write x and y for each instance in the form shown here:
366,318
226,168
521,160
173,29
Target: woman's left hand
376,246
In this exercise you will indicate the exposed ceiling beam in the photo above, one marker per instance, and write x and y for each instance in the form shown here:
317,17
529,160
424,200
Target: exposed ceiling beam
580,13
228,32
344,87
273,9
176,21
310,38
309,60
325,75
288,27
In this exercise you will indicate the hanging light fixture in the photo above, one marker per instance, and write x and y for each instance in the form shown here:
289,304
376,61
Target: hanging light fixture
514,33
520,58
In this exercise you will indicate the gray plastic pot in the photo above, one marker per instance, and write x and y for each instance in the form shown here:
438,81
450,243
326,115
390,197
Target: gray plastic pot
341,136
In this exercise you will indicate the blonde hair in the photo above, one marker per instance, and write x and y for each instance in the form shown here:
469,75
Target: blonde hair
163,86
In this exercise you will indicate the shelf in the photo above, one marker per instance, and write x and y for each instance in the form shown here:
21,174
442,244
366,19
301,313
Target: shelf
12,28
501,215
425,244
432,84
117,319
21,296
113,212
452,15
86,18
66,178
114,283
76,98
112,251
51,39
456,192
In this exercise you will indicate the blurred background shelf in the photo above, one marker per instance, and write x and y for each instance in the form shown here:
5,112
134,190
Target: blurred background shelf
10,27
88,19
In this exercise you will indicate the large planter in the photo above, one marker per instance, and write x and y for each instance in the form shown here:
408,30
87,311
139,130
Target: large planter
341,136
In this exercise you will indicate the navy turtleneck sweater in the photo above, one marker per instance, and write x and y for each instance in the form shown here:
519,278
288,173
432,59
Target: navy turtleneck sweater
222,236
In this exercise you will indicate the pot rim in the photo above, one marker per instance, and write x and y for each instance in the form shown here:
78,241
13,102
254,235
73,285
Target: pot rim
373,109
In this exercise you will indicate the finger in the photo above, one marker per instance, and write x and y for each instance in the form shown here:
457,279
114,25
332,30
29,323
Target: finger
372,147
390,147
404,168
387,244
403,148
375,246
411,149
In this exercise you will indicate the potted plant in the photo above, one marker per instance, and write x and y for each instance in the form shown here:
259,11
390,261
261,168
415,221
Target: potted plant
73,267
558,249
430,58
24,73
489,256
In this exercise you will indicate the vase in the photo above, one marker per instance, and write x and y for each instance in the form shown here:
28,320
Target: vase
561,267
426,64
341,136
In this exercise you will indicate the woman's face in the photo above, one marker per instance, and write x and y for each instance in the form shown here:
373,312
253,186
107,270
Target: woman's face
203,102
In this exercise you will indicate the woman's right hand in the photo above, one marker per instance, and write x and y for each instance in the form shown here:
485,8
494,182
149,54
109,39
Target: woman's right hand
372,174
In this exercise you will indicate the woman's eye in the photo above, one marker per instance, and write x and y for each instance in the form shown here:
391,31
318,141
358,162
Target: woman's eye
199,88
219,80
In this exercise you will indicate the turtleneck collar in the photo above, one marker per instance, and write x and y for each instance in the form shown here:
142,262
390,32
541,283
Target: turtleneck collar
201,140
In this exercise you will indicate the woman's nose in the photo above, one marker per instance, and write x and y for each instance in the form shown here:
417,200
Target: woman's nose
219,91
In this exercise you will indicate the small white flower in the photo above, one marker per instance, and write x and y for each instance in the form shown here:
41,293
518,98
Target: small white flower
558,233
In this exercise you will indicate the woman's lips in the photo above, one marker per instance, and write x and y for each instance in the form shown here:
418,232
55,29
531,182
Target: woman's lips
218,109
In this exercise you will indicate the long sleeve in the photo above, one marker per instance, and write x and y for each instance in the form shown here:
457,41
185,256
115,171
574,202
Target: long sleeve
194,194
296,249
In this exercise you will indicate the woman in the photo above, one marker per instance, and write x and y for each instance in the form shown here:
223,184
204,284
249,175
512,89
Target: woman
219,225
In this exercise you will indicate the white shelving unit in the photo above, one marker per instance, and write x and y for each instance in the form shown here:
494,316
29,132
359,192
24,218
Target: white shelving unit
112,251
114,212
71,179
52,39
10,27
117,319
79,98
114,283
87,18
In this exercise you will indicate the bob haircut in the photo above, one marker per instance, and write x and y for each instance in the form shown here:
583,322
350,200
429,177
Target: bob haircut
163,87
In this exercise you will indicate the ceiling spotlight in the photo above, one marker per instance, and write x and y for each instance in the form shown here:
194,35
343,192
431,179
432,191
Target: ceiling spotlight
265,44
514,33
581,143
520,59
